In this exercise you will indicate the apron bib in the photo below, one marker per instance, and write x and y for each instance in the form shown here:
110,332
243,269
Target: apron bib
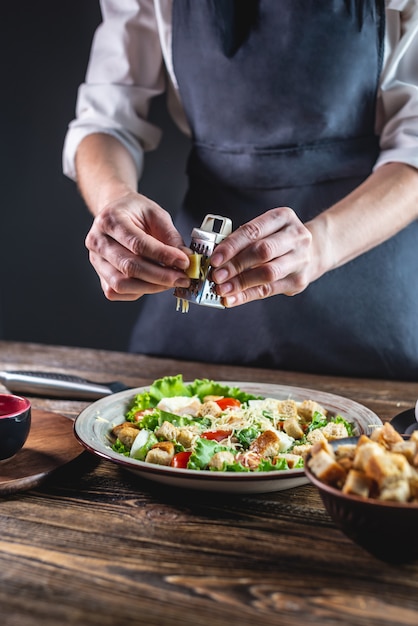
288,120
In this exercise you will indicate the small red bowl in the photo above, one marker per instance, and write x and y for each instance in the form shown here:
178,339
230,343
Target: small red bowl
15,421
388,530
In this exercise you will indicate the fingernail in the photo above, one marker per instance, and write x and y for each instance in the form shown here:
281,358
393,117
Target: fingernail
220,275
225,288
230,301
182,282
216,259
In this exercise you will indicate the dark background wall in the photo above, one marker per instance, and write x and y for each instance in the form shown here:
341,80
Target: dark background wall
48,291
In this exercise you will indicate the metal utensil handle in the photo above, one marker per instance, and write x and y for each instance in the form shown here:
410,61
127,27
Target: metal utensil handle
53,384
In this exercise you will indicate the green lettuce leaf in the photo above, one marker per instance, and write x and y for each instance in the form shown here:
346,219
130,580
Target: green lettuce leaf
318,421
171,386
247,435
157,417
205,387
338,419
203,452
120,447
232,467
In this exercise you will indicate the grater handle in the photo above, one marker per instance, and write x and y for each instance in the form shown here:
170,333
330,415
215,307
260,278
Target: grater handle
211,220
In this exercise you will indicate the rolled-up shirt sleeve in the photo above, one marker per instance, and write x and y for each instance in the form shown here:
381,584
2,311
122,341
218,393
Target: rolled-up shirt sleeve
397,119
125,72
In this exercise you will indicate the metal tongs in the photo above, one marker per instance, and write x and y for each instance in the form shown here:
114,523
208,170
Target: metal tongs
202,290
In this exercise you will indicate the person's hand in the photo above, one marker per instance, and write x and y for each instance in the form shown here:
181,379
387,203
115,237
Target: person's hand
272,254
135,249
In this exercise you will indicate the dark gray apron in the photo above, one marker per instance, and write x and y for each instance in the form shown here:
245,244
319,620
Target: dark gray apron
288,120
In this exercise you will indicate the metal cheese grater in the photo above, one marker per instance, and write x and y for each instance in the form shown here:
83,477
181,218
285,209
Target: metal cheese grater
202,291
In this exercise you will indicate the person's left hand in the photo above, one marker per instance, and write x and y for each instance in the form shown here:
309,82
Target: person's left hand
272,254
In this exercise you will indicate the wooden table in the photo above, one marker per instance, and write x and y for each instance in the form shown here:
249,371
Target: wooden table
94,544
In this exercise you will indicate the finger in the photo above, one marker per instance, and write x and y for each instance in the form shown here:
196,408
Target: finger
267,273
256,256
288,248
128,264
130,235
290,286
137,277
258,228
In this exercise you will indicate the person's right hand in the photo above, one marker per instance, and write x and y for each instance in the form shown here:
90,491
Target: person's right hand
135,249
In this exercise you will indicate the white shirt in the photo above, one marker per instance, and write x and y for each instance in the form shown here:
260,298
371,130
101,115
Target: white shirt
131,61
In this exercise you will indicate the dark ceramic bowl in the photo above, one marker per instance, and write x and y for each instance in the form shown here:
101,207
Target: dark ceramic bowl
388,530
405,422
15,420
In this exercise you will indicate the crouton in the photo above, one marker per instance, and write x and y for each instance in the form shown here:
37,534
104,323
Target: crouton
288,408
346,450
386,435
209,408
308,408
345,455
291,459
357,483
408,448
326,468
334,431
316,435
219,458
126,433
166,431
161,453
302,450
364,452
186,436
387,467
292,428
378,467
414,436
322,444
398,491
413,485
266,444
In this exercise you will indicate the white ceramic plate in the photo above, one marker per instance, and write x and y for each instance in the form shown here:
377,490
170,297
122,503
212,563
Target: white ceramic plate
93,425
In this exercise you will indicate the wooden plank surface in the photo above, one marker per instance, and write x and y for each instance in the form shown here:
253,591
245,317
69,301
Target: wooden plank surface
50,445
96,545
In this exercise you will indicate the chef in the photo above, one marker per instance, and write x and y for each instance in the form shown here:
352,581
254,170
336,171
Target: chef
303,117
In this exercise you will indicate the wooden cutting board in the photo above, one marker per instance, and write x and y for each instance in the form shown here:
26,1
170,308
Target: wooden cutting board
50,444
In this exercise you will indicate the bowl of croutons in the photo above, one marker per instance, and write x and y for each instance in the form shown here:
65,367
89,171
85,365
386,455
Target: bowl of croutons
369,486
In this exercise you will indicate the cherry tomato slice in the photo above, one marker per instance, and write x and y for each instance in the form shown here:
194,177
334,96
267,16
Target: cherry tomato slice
140,414
225,403
216,435
180,460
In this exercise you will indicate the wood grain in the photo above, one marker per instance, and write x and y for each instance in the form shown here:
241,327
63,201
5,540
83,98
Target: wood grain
95,545
50,444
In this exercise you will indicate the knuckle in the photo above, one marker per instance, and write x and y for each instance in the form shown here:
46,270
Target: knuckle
113,287
91,241
136,245
129,267
305,236
265,290
105,220
300,283
271,272
251,230
109,293
264,249
297,285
